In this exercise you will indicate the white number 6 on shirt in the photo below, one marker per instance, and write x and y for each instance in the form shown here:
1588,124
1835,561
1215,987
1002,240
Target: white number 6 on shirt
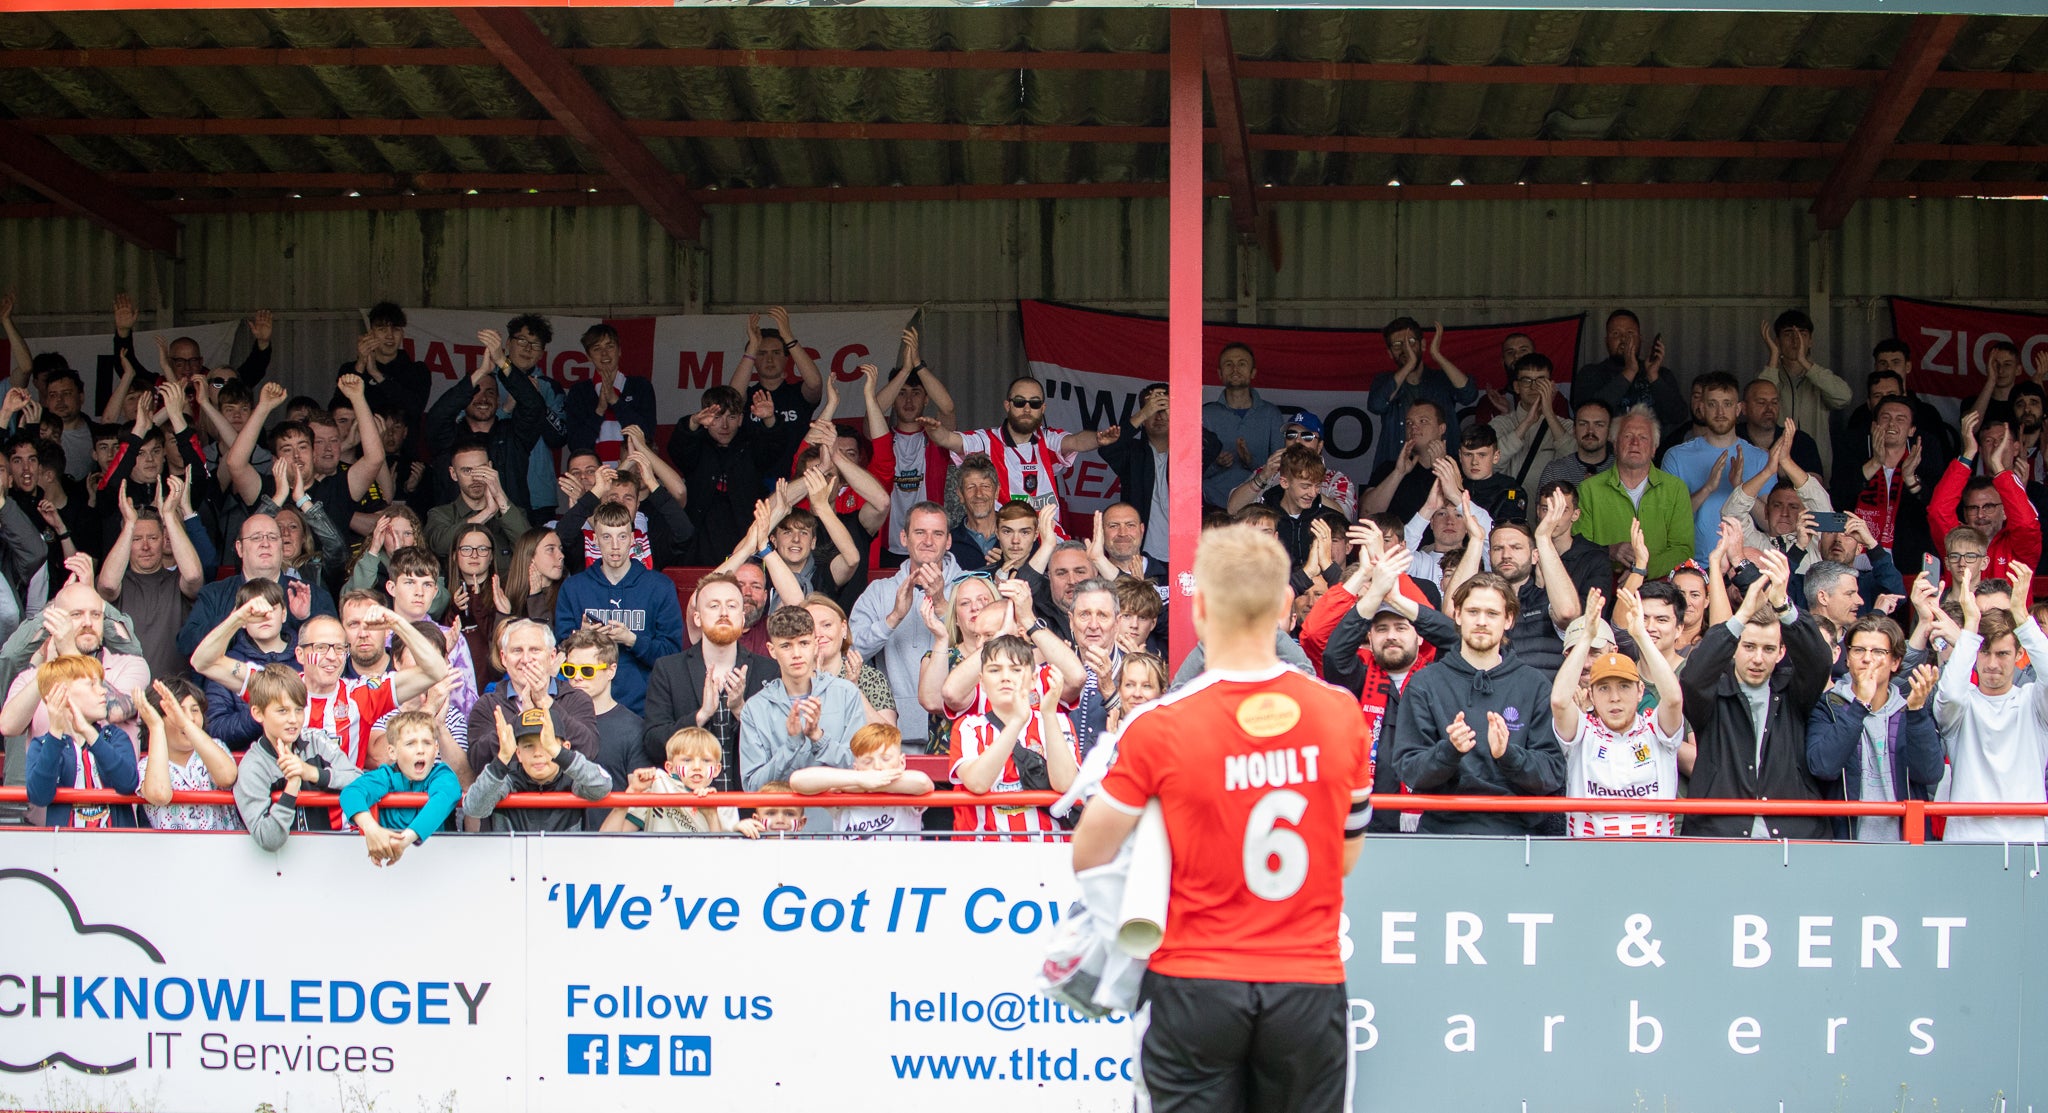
1266,841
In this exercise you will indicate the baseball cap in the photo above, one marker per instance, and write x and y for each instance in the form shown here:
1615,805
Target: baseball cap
1615,666
1603,634
1309,422
529,724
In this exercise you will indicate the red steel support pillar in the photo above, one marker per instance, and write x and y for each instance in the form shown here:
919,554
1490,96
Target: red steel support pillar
1184,317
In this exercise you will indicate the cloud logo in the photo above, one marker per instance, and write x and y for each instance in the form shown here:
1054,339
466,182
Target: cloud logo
82,929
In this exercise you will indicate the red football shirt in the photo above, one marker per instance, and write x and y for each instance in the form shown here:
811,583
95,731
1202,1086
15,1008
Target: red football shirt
1255,774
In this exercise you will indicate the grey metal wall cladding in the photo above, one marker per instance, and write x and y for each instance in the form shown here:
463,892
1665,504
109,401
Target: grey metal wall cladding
1703,273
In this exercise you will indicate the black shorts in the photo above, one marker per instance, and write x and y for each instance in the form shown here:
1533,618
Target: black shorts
1242,1047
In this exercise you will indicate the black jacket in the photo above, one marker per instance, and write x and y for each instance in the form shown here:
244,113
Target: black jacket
634,407
1130,457
724,481
1343,666
668,531
1719,715
1424,759
511,440
675,690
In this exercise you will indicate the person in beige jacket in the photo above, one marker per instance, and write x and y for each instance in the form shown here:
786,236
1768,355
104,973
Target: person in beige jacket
1808,391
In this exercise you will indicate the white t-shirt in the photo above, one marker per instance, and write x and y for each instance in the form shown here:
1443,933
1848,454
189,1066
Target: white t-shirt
906,487
1641,763
871,820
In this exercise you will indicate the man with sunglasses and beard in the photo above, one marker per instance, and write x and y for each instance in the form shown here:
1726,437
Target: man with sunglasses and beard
1028,458
707,683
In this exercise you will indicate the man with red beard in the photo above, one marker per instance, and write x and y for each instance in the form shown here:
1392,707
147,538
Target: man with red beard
705,684
1378,646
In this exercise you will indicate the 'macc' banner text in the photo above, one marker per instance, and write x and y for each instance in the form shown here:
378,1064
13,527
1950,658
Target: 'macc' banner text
1094,363
679,355
653,973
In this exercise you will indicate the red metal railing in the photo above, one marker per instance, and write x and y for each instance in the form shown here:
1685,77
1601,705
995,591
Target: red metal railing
1913,812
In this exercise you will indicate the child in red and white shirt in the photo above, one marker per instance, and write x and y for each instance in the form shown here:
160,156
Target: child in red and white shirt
1613,750
1012,747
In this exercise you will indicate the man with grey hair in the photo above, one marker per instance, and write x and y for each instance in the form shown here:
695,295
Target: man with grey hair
1052,593
1831,593
1635,490
1093,618
888,621
533,678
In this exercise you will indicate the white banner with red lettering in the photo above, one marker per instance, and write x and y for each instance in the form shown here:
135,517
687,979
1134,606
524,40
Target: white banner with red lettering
1950,342
680,355
1093,365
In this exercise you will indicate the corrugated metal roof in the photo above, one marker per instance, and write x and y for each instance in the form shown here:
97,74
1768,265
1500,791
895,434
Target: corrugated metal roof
1703,273
768,92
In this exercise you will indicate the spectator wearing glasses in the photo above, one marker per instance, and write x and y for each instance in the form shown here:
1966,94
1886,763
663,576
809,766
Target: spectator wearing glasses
1534,433
260,547
182,359
590,661
1337,491
340,710
636,608
1028,457
1996,507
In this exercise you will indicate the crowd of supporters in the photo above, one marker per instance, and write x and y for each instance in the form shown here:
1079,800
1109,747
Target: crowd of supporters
1757,587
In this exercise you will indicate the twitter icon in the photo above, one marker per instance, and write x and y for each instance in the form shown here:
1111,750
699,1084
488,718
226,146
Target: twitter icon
638,1055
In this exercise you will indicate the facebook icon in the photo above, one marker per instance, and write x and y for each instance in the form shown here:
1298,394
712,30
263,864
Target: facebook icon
689,1055
587,1055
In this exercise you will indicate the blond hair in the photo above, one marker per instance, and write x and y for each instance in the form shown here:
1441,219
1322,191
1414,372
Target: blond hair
694,742
1240,574
406,722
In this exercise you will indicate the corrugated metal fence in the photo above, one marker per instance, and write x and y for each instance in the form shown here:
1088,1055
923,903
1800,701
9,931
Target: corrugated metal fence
1703,273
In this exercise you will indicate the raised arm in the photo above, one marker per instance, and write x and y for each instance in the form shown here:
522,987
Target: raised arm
17,370
364,471
428,667
813,382
209,658
234,464
1557,583
846,556
875,419
115,567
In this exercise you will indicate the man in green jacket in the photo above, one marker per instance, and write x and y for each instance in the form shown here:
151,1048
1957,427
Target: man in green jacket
1633,490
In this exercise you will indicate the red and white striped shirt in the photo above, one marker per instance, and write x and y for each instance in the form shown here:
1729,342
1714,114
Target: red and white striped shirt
1640,763
974,734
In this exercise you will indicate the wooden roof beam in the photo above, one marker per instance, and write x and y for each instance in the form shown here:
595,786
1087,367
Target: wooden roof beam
1919,56
36,163
1219,64
518,44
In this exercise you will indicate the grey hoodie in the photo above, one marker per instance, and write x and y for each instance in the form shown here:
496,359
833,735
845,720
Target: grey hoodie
768,752
272,822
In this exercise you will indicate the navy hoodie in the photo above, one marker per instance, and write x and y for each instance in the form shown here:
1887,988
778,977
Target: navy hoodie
644,602
1425,760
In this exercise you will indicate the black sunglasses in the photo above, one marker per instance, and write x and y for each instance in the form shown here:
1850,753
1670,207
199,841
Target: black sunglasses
1028,403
